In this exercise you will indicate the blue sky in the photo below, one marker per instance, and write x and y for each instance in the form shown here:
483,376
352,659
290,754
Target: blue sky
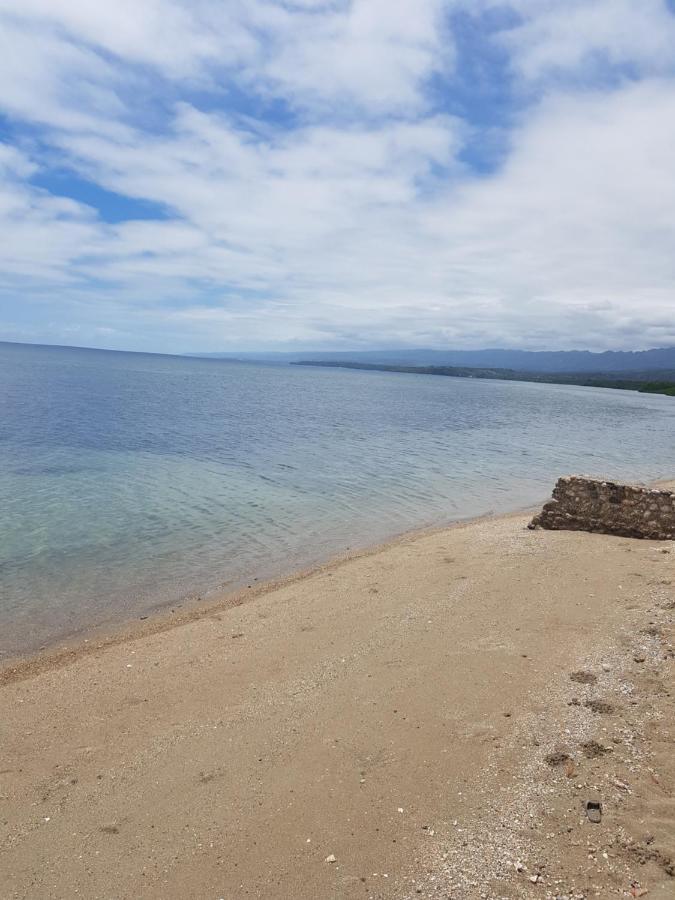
325,174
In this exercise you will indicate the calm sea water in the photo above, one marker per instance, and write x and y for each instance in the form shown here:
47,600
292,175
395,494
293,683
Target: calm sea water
129,481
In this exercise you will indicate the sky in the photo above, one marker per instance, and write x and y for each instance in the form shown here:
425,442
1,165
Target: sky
194,175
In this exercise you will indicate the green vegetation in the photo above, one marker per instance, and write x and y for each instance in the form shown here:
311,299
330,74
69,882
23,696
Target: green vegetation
658,387
644,382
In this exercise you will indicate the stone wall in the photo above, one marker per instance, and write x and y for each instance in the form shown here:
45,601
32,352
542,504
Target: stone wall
584,504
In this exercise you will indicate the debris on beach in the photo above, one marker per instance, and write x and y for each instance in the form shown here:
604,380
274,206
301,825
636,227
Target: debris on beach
594,811
621,785
601,707
592,749
557,758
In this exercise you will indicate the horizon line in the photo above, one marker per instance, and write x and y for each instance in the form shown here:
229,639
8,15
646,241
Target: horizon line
204,354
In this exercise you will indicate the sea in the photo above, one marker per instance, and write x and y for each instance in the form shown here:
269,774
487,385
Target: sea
132,483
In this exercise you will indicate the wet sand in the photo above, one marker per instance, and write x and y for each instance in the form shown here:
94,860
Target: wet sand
424,720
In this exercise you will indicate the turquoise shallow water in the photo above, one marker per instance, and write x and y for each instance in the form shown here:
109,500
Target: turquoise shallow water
129,481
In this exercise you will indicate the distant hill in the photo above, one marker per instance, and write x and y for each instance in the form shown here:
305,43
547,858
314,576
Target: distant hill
554,361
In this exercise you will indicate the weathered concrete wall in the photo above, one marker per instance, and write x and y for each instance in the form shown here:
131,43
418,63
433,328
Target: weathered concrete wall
584,504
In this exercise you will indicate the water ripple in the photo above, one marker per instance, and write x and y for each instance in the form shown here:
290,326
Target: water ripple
131,480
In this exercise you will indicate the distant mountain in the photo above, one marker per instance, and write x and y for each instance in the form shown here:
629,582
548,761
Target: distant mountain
558,361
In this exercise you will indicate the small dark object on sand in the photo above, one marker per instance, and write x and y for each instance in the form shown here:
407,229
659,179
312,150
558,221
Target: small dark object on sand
594,811
582,677
557,758
599,706
592,749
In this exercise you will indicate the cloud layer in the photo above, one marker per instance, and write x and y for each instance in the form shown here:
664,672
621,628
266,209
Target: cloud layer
327,174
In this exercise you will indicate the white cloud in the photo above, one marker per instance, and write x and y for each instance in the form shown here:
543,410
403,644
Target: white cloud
372,55
48,80
368,55
177,38
43,235
358,221
579,36
14,163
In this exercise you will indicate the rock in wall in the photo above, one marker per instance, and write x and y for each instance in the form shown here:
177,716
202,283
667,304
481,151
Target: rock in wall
585,504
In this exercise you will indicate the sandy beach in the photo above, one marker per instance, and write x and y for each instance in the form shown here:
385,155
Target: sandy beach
423,720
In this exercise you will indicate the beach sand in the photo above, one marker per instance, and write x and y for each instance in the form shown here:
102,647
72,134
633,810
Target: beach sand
423,720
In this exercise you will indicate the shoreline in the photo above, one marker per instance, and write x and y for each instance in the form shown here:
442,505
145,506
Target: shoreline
191,608
425,718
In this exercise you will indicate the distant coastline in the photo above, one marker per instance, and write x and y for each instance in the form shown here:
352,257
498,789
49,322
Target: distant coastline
651,382
555,366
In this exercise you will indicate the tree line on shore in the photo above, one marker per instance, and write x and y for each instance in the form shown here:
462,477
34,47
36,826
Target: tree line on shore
649,382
